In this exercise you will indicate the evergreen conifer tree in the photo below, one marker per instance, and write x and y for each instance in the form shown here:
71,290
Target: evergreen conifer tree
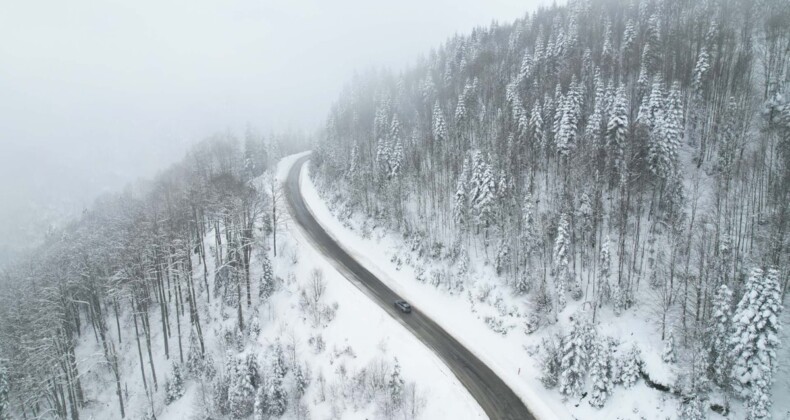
395,386
266,287
631,367
573,365
719,331
601,372
561,263
617,129
754,341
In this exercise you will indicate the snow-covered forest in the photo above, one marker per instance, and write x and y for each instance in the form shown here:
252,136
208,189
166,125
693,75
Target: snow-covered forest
605,160
594,200
191,296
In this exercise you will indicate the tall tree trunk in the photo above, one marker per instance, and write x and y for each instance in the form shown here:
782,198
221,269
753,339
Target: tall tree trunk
139,348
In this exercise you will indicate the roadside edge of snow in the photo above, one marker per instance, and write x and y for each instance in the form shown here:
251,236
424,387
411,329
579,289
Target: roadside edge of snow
323,215
472,409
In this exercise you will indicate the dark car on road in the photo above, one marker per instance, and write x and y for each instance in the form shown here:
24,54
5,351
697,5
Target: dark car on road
403,306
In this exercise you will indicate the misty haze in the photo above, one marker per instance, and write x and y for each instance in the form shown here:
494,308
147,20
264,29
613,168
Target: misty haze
410,210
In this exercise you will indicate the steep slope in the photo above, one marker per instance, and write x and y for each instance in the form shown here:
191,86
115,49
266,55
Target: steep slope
591,164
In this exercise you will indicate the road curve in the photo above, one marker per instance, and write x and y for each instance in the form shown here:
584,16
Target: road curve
494,396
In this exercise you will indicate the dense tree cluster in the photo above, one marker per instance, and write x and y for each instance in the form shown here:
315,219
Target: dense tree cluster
138,255
628,153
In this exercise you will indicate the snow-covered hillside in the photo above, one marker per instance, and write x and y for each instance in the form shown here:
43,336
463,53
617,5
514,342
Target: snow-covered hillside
604,184
501,343
311,346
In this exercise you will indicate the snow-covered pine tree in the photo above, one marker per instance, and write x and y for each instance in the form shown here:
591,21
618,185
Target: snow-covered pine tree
277,395
629,37
653,41
643,114
195,361
526,67
565,133
483,190
381,120
353,163
558,110
536,137
601,372
540,51
522,129
550,361
219,393
266,287
691,408
278,358
604,273
209,366
668,355
396,154
607,52
643,81
666,119
395,386
241,392
719,331
542,302
594,127
461,199
655,103
438,125
754,340
529,235
262,406
573,364
460,111
301,380
253,369
700,71
631,367
617,130
568,120
502,260
561,263
618,298
504,197
174,384
383,157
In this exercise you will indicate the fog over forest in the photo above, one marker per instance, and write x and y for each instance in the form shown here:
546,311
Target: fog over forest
97,94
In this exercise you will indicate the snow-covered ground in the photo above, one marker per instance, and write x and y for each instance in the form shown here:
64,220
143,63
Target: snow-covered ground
511,355
360,336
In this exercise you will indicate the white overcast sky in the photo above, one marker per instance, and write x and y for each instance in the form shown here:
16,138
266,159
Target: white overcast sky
96,93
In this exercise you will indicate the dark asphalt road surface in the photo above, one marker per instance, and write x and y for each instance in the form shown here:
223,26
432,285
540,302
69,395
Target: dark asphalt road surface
494,396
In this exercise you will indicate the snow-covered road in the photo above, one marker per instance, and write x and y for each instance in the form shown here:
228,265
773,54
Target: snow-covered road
493,395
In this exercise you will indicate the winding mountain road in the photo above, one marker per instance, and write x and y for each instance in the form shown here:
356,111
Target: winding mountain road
494,396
